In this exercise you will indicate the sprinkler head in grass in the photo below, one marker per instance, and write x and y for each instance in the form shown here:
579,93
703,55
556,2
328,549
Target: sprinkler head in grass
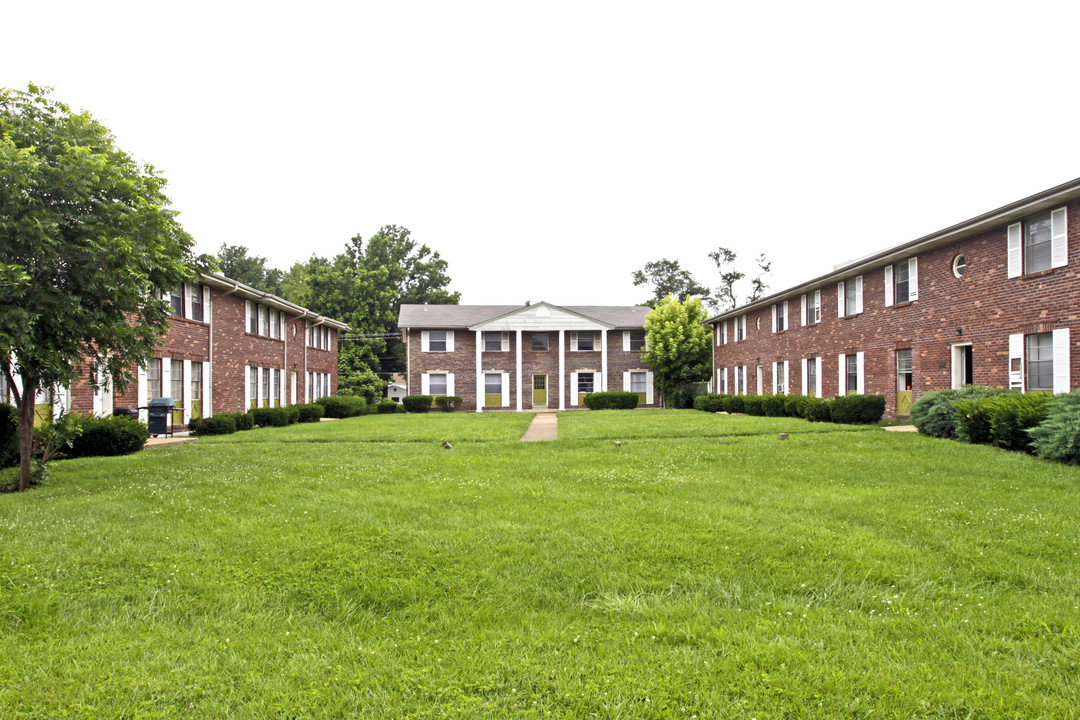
783,436
447,446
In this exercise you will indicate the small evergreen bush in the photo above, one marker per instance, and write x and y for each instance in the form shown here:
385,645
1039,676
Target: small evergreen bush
733,403
9,435
260,416
857,409
389,407
446,403
816,409
416,403
792,404
611,400
934,414
1012,416
245,421
709,403
292,414
752,405
221,424
1058,436
310,412
343,406
116,435
972,420
773,405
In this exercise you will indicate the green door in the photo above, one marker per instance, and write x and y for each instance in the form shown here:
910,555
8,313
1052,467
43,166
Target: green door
539,391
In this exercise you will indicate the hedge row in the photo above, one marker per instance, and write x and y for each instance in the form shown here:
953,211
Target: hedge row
335,406
611,400
1046,425
99,436
847,409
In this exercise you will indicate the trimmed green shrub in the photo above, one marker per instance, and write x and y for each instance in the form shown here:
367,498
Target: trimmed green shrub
343,406
389,407
416,403
752,405
612,400
934,414
773,405
446,403
1012,416
709,403
245,421
221,424
816,409
9,435
117,435
1058,436
791,405
857,409
733,403
972,420
275,416
292,414
310,412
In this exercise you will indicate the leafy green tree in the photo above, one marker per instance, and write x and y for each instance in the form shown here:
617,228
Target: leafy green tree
678,344
88,245
725,297
668,278
235,263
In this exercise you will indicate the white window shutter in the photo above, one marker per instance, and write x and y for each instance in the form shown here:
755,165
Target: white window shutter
1061,360
746,379
185,391
787,316
860,383
648,388
449,383
842,374
802,312
573,344
505,341
1059,240
723,333
1014,249
449,341
758,379
840,299
307,391
725,385
626,340
281,387
787,378
913,278
817,306
888,286
166,377
626,382
186,299
425,384
805,371
858,294
774,318
505,382
774,377
1016,358
425,344
820,372
206,307
573,383
247,316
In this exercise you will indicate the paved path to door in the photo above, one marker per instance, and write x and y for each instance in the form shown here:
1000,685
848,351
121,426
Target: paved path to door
545,426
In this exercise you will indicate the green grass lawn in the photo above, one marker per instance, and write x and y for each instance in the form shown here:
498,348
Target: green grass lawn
357,569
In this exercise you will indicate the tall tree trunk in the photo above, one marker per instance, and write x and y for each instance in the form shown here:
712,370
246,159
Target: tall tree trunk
26,429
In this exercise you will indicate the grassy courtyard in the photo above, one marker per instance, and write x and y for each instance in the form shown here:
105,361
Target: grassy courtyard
705,569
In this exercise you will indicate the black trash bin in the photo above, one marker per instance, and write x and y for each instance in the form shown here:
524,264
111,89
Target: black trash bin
159,412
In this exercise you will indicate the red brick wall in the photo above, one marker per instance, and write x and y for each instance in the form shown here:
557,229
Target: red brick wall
983,307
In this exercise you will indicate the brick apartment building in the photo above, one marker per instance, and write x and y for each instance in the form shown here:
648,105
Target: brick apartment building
229,347
525,357
990,301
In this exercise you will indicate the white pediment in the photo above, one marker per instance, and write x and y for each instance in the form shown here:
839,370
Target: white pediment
542,317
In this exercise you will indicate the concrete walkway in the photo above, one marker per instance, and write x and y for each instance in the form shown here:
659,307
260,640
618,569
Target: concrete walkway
174,440
901,428
545,426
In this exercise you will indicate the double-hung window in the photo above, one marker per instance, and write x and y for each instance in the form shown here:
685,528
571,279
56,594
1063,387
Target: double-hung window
811,308
253,386
779,314
176,381
851,374
195,292
585,341
1038,243
493,341
265,386
902,282
812,371
153,377
780,377
437,384
437,341
540,342
585,383
1040,361
176,300
637,342
740,328
849,296
253,318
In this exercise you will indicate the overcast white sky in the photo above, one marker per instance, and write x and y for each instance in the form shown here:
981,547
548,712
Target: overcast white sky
547,150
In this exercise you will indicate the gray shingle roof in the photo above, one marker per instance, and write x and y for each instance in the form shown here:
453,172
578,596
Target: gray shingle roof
463,316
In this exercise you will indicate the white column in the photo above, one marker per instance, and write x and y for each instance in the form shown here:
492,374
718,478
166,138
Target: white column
562,368
479,374
517,341
603,360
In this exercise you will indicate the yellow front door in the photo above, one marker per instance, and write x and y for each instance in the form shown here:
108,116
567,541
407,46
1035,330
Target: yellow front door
903,402
539,391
